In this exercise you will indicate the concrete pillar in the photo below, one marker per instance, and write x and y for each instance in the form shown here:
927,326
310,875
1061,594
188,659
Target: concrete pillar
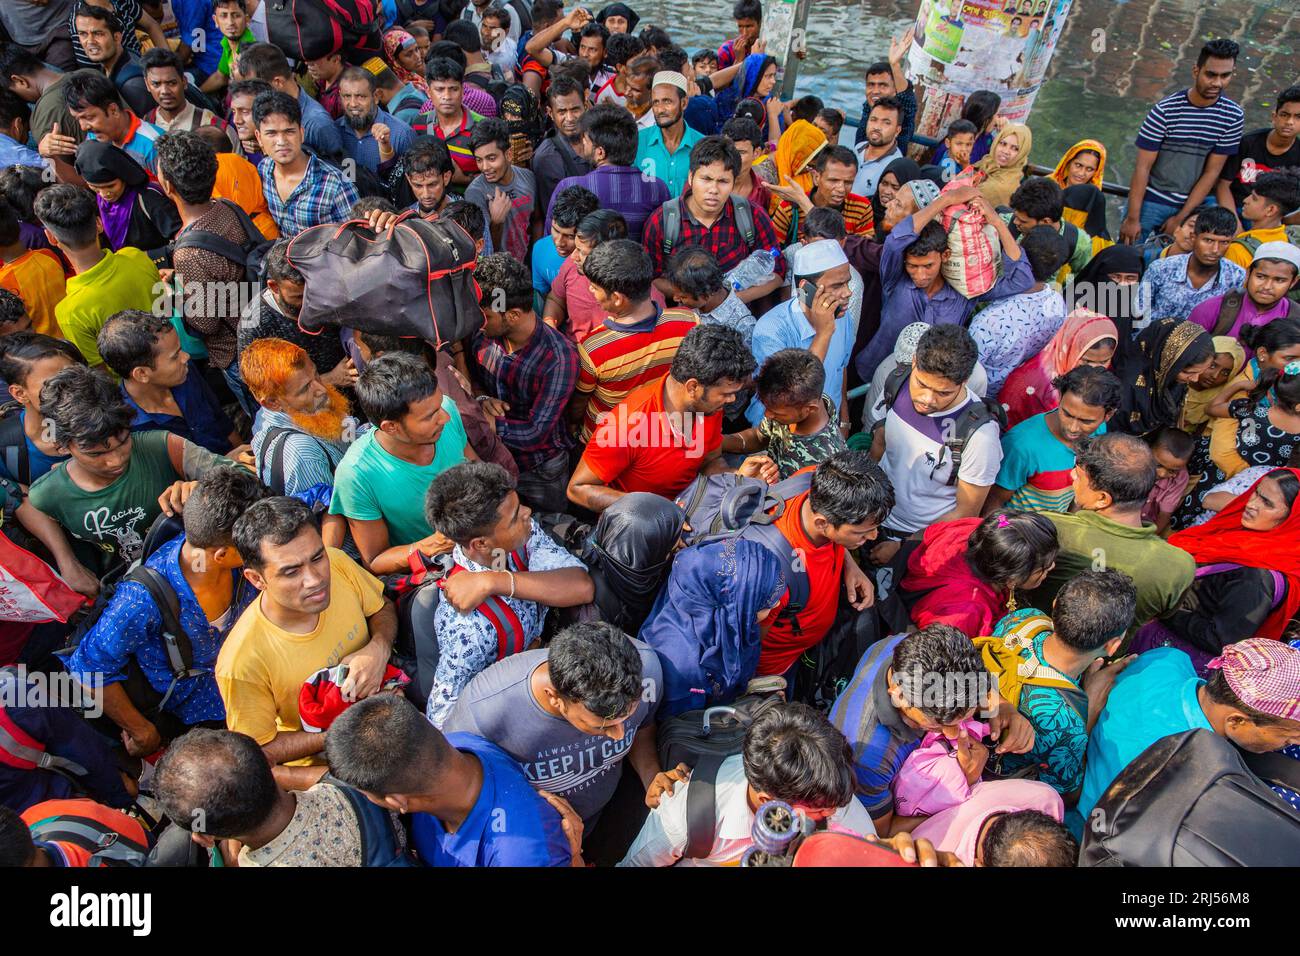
966,45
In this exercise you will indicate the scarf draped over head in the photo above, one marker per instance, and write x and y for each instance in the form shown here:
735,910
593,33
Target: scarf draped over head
395,41
904,170
1148,369
705,626
795,151
1002,181
1062,172
619,10
629,555
1196,408
99,162
756,65
1223,539
1029,389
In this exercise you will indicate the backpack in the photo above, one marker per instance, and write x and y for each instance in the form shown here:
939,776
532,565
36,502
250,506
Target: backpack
176,642
273,451
1002,659
13,443
249,255
414,280
826,668
730,506
703,739
1191,800
969,420
110,837
311,29
22,751
1229,309
418,596
740,208
383,837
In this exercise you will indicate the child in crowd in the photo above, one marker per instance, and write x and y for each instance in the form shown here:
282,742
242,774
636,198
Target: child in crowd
1172,449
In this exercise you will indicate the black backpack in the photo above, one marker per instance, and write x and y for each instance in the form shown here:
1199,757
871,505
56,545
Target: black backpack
969,420
826,668
311,29
703,739
13,443
249,255
740,208
273,451
1190,799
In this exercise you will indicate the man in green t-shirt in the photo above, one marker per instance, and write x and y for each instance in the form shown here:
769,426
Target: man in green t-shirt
380,484
1113,475
115,483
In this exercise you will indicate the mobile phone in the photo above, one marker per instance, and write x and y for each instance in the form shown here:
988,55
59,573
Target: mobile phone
807,292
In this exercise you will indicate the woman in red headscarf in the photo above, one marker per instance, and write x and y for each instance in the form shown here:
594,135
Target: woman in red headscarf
1085,338
1247,577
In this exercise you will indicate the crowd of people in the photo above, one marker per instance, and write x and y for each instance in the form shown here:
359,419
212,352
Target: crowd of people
739,423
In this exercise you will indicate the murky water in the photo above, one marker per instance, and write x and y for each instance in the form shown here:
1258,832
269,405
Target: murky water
1150,49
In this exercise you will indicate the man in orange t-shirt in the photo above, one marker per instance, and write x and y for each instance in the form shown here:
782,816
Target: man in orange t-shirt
670,430
848,499
35,276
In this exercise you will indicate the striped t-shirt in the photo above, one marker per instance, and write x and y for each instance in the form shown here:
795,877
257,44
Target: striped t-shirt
1184,135
880,738
615,359
859,220
1037,466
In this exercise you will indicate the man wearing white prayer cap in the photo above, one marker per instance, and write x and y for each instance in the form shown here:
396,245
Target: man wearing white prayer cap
814,318
1273,272
664,147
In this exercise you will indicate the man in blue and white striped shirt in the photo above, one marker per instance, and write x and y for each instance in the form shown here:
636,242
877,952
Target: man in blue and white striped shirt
1182,146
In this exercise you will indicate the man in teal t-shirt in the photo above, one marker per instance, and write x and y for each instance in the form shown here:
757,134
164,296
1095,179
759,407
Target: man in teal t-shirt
380,484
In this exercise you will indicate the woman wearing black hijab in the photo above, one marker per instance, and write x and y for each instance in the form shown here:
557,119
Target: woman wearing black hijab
1156,370
618,10
1109,284
133,210
629,556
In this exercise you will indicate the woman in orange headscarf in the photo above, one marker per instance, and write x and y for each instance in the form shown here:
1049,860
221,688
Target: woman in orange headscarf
1085,338
795,151
1079,174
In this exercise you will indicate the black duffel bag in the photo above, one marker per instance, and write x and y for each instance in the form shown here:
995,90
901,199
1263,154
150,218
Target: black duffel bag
415,279
1190,799
311,29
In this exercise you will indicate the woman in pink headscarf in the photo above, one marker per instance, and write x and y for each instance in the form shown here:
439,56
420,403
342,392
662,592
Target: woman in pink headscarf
1085,338
404,58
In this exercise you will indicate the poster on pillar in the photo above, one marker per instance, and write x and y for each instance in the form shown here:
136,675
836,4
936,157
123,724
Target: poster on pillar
965,45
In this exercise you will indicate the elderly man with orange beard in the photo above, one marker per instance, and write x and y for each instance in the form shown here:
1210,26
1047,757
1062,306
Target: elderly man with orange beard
302,428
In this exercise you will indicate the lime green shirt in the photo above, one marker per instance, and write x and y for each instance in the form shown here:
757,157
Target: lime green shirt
126,279
227,54
370,483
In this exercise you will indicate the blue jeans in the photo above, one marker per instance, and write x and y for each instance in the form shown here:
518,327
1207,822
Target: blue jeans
1154,213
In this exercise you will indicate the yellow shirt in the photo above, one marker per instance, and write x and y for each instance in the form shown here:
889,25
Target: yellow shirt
261,667
126,279
1242,256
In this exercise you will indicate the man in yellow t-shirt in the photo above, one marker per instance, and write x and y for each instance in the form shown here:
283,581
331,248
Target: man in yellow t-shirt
1274,196
317,608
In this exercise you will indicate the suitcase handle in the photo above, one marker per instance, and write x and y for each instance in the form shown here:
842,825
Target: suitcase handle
713,712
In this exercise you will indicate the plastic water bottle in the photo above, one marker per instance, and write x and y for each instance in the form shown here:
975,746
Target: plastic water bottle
756,269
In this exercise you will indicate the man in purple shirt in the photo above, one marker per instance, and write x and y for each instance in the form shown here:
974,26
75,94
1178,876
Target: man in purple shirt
1273,272
609,140
911,275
